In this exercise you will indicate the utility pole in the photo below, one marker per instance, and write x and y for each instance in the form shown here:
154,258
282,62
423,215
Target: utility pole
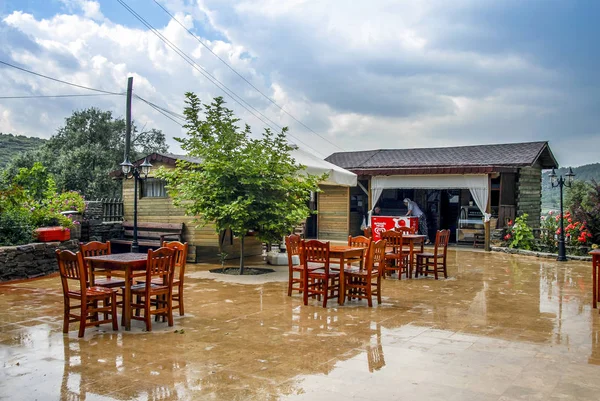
128,117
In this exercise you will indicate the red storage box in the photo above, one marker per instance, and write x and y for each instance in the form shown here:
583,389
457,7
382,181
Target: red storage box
47,234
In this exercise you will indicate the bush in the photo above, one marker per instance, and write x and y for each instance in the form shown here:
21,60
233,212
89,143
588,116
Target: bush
586,209
16,227
519,234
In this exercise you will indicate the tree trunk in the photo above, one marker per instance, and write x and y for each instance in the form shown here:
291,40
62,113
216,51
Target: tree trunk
241,254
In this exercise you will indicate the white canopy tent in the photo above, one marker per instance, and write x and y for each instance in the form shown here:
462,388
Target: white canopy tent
317,166
478,184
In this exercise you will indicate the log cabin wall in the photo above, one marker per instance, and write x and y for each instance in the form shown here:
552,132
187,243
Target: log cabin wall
334,212
203,241
529,194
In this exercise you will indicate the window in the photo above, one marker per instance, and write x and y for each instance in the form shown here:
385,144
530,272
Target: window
153,188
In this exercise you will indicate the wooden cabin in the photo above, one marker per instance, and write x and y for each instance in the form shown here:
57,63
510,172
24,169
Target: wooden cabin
447,183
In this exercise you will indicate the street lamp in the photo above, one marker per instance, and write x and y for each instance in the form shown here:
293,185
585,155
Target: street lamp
561,182
135,172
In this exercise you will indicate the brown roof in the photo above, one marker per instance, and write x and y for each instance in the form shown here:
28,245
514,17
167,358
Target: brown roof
479,157
166,158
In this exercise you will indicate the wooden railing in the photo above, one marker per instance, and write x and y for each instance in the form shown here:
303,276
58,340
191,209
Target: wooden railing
112,209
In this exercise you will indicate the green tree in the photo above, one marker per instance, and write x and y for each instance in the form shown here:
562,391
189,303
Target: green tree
81,154
241,183
35,181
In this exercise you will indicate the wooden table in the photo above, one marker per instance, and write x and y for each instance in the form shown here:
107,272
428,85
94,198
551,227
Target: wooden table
595,267
413,239
127,262
342,252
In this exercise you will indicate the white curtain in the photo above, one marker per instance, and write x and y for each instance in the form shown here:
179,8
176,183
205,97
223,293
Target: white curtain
476,183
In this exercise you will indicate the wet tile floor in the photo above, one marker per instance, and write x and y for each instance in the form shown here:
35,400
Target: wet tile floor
502,327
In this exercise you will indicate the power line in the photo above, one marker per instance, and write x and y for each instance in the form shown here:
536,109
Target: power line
172,113
208,76
58,80
51,96
160,110
244,78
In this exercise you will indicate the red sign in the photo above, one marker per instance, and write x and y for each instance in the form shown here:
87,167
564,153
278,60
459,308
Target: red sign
380,224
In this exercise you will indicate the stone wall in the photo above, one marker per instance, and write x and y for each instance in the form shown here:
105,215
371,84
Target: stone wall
31,260
529,194
94,229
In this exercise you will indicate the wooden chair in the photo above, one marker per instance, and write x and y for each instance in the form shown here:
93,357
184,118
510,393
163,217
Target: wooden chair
292,245
75,287
434,262
96,248
395,259
148,295
319,279
365,283
368,232
405,230
359,242
181,252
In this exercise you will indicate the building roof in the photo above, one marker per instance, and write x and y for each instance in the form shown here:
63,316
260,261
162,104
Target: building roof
166,158
486,158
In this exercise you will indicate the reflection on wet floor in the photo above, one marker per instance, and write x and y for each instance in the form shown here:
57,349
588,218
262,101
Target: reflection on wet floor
500,328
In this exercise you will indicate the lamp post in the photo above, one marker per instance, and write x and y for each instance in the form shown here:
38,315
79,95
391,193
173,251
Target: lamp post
561,182
135,172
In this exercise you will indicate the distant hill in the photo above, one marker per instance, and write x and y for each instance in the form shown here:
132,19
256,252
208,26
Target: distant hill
550,196
11,145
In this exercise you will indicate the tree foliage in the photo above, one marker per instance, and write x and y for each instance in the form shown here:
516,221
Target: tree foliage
81,154
240,183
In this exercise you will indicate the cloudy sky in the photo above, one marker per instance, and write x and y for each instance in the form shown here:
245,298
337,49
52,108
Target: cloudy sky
360,74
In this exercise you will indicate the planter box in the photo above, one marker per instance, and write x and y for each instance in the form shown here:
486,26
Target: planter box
48,234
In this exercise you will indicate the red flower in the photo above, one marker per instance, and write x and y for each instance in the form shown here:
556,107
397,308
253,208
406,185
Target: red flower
510,222
570,220
557,218
558,231
589,235
550,213
582,239
506,237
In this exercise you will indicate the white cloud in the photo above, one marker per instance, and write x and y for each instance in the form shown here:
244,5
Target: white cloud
381,74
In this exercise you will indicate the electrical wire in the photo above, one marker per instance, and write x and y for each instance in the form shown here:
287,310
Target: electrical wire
236,98
172,113
160,110
58,80
61,96
242,77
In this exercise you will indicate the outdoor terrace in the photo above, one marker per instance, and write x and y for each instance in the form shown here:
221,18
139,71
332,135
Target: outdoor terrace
502,327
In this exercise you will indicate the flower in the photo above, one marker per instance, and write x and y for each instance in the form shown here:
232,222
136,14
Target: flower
558,231
582,239
510,222
506,237
570,220
550,213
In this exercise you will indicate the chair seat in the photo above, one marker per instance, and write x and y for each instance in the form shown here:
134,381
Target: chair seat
94,292
158,281
361,272
321,273
109,282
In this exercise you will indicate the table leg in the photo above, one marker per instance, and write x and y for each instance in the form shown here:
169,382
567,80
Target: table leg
342,290
127,299
411,256
595,280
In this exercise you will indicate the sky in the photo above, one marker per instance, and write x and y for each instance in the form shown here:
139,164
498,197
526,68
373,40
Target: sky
342,75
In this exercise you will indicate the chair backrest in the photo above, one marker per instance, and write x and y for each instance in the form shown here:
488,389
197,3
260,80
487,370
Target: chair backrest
292,246
94,248
405,230
181,252
360,241
393,238
161,264
368,232
442,238
72,269
376,255
315,251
